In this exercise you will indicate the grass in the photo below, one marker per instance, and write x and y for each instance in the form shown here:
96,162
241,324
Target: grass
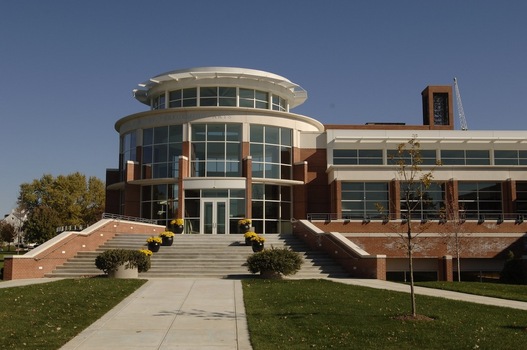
302,314
497,290
46,316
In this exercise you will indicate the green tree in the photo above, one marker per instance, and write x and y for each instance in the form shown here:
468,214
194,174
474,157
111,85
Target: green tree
52,202
7,232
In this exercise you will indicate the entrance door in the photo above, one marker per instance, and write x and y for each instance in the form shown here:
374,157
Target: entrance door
214,216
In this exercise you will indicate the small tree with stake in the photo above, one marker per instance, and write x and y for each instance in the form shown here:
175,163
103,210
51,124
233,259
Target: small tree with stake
414,185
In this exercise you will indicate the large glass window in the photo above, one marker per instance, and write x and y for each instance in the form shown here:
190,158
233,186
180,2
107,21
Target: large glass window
254,98
270,206
428,157
357,156
271,151
480,198
513,157
128,150
162,147
361,200
279,103
215,150
521,197
425,203
159,202
465,157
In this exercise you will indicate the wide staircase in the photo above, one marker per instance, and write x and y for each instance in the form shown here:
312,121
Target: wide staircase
219,256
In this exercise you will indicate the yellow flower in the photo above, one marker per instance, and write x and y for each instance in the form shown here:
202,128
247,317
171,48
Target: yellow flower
177,222
166,234
258,239
244,222
249,234
154,239
146,252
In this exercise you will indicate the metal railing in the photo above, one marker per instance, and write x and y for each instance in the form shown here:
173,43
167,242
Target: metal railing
518,217
127,218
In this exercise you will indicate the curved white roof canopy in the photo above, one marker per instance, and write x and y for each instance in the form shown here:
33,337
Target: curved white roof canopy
240,76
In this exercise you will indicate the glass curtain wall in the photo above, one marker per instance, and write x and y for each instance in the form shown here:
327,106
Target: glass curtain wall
271,206
159,202
271,151
162,147
426,203
361,200
480,199
215,150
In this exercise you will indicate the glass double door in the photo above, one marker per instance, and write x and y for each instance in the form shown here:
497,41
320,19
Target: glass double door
215,216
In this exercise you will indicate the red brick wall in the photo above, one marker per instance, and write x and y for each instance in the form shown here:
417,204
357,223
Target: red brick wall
46,260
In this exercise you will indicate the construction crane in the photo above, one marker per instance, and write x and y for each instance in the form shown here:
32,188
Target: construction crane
460,112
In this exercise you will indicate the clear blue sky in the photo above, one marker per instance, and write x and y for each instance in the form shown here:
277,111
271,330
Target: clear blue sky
68,68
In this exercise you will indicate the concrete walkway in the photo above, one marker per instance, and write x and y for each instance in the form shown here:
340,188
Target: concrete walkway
203,314
172,314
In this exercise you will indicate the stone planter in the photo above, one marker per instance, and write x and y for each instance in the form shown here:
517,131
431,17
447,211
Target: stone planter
123,272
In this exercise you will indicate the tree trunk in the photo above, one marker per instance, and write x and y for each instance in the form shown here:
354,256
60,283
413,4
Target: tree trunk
411,265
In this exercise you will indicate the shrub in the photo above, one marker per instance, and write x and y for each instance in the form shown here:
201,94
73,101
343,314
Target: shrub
280,260
110,260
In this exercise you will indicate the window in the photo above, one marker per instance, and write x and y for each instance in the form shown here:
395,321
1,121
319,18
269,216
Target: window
215,150
357,156
254,98
521,197
428,157
271,151
465,157
183,98
360,200
128,151
279,103
270,206
159,202
480,198
162,147
513,157
158,102
425,203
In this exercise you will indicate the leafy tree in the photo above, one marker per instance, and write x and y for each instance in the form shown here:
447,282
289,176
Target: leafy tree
52,202
7,232
414,185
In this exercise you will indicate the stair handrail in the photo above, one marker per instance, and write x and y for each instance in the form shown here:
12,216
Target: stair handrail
127,218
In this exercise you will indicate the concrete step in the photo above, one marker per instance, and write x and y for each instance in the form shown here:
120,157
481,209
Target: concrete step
202,256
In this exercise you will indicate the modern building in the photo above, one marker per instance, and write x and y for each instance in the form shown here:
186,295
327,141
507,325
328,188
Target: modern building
218,144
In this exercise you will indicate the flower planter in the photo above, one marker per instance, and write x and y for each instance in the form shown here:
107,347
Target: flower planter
244,228
257,247
248,241
154,246
167,241
178,228
123,272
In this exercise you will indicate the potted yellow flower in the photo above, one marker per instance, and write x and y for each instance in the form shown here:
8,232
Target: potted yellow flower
154,243
177,225
257,243
167,238
248,237
244,225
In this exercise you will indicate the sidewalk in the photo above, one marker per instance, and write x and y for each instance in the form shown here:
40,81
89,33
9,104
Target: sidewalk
172,314
399,287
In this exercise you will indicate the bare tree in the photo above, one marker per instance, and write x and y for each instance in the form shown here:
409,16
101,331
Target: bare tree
453,218
414,185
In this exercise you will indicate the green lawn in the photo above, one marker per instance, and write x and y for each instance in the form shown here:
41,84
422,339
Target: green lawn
48,315
319,314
